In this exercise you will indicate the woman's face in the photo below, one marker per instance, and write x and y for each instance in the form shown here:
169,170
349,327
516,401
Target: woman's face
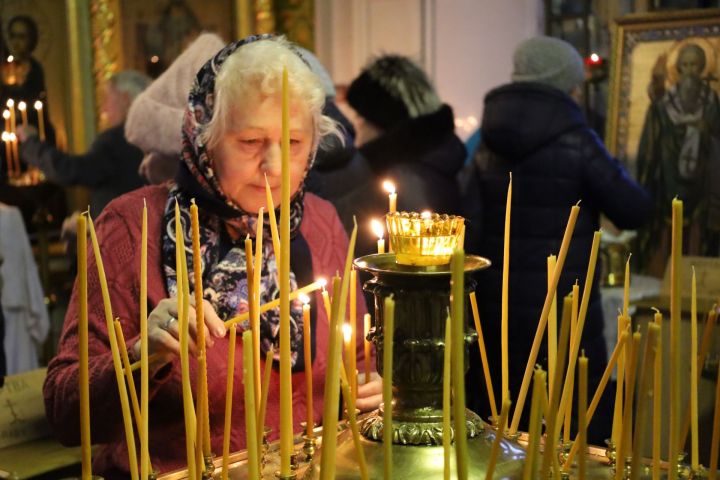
250,150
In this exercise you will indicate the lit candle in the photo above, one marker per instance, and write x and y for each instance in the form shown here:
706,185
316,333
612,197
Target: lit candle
83,347
505,294
41,119
11,106
128,373
6,116
582,413
457,310
183,302
644,398
250,412
117,365
626,289
379,232
366,342
495,449
542,324
8,153
15,154
272,221
447,429
483,357
348,347
331,395
625,444
694,444
657,399
552,325
392,196
675,313
144,372
22,106
228,402
388,331
203,417
307,351
353,333
326,302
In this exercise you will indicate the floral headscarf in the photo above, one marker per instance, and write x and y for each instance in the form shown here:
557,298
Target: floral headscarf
224,225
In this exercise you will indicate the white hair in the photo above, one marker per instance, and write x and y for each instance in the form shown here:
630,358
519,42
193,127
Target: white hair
253,72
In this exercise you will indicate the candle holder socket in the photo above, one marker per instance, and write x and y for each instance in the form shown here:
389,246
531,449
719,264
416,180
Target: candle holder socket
610,452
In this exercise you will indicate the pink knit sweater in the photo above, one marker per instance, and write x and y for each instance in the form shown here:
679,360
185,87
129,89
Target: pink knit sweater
119,229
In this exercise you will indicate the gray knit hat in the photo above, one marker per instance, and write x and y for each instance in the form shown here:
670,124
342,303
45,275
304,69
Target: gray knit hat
549,61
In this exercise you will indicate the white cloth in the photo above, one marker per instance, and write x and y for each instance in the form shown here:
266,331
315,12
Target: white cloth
23,303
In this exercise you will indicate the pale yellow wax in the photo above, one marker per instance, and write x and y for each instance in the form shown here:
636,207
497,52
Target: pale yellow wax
310,418
331,395
381,245
657,400
353,334
144,366
505,295
542,324
645,387
499,434
83,348
582,414
388,331
694,439
620,381
624,447
134,402
272,221
483,356
352,420
22,106
674,350
41,120
552,325
626,289
257,274
446,405
366,344
533,445
228,402
457,311
251,435
571,379
117,363
267,373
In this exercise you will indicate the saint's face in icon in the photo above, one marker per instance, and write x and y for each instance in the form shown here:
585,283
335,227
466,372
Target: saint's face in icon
691,61
22,37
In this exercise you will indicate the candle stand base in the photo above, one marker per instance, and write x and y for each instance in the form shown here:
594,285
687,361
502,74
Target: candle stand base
309,446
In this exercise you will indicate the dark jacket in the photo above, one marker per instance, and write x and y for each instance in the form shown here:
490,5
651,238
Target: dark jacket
540,135
108,169
422,156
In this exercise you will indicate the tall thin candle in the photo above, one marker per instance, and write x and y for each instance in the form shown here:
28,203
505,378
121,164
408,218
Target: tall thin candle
657,399
257,274
267,373
499,434
620,381
332,391
286,414
505,295
552,325
571,380
626,289
307,351
483,356
229,402
366,342
625,445
582,413
674,350
644,398
134,402
122,390
41,119
531,457
694,444
388,333
542,323
272,221
251,435
447,428
22,106
84,386
457,310
353,333
352,420
144,367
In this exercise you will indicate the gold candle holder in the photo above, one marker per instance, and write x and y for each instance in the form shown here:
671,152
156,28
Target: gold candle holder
424,239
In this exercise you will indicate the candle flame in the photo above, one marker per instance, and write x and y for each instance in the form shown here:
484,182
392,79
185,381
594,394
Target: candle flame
10,59
426,214
377,228
6,114
304,298
38,105
389,186
12,137
4,137
347,332
22,106
322,282
10,103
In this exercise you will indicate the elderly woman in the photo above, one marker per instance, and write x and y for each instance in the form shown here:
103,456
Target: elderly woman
231,141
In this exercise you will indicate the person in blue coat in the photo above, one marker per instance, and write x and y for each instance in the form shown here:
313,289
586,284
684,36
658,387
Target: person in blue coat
534,127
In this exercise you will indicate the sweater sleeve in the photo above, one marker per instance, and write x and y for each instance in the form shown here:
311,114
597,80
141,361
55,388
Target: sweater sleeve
118,242
611,188
89,169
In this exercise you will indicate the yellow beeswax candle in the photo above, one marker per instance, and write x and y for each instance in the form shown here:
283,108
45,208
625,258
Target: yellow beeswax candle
257,274
134,402
22,106
626,289
571,380
531,457
352,420
483,356
657,399
366,344
447,428
11,106
332,391
228,402
84,386
307,351
379,232
144,367
41,120
353,333
267,373
674,350
347,347
625,446
644,398
694,443
117,363
582,413
552,324
542,324
620,381
505,294
457,311
272,221
388,331
392,196
495,449
250,412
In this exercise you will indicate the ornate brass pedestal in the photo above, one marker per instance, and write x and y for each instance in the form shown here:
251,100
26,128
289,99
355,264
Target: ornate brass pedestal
422,302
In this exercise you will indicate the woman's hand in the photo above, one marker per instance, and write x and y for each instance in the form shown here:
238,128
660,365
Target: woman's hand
26,131
164,331
369,395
